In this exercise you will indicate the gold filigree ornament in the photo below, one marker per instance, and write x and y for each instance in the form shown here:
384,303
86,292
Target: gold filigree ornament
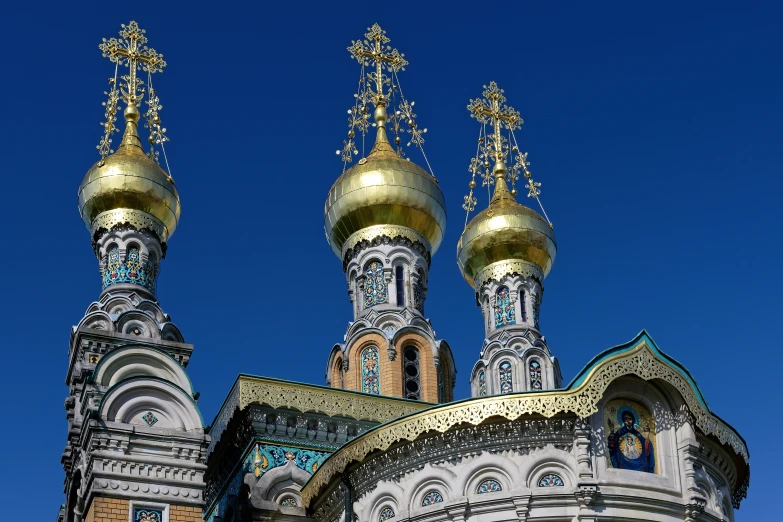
582,400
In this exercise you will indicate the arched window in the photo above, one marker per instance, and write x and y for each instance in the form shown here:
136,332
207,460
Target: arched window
375,290
534,367
506,379
550,480
113,268
400,283
504,309
337,374
418,293
522,305
410,361
443,387
386,514
432,497
482,389
371,371
489,486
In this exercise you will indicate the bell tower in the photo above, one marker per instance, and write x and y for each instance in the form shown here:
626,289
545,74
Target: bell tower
384,218
136,443
504,253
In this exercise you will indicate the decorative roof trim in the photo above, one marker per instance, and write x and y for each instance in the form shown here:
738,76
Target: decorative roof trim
581,397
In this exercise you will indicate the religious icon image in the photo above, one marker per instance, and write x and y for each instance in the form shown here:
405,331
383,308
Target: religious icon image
631,430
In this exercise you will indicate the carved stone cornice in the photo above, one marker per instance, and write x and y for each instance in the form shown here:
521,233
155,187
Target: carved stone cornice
582,399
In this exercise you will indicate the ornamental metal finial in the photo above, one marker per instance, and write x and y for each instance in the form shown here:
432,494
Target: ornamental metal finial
130,50
492,109
495,147
380,87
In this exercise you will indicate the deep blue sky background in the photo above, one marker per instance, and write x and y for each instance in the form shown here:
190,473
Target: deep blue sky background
654,128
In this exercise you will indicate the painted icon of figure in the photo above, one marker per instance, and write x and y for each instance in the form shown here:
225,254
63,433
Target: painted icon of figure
629,449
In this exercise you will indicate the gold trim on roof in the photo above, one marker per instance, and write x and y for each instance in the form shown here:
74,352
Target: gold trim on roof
582,400
331,401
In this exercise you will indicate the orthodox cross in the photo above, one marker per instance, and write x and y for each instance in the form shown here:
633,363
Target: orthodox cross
131,50
493,109
375,51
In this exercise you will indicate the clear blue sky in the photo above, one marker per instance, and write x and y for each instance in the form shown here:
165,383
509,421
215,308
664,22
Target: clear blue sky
654,128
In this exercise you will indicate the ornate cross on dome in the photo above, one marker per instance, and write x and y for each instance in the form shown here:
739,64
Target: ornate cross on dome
131,50
493,109
375,51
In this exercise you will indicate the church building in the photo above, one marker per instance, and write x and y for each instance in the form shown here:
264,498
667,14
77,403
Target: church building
630,437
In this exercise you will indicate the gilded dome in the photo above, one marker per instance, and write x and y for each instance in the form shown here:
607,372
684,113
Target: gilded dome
386,190
128,186
506,236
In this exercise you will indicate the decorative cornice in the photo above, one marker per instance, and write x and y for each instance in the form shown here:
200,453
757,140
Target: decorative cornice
385,234
125,216
582,400
497,271
304,398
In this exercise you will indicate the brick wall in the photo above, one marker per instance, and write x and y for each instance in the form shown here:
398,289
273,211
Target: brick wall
184,514
106,509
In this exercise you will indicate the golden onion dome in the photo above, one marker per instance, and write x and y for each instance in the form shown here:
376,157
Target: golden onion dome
129,187
505,238
384,195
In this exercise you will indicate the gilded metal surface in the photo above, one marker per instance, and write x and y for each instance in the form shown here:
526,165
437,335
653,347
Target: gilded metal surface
505,231
128,179
385,190
496,271
582,400
390,231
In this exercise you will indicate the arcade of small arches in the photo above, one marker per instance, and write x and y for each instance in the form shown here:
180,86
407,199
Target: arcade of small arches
128,256
387,275
507,371
514,301
414,370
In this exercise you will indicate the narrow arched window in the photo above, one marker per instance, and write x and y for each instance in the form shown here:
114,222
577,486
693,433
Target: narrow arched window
504,308
534,367
482,387
371,371
410,358
400,283
337,374
418,293
375,290
522,305
112,272
386,514
506,379
550,480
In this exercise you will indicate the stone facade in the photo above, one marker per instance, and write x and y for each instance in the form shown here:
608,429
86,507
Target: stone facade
387,285
135,433
514,356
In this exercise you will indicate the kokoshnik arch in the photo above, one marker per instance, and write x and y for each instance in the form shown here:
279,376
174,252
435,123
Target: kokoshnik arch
630,437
